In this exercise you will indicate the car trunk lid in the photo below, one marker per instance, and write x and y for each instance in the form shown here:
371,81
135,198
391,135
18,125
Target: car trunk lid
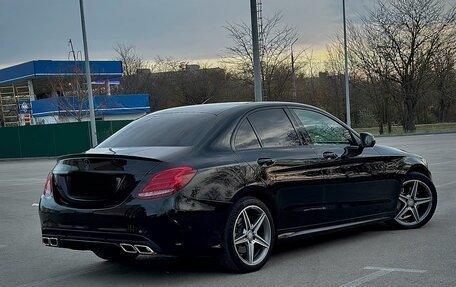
102,178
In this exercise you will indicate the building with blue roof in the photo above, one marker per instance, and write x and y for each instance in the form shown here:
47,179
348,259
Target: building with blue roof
46,91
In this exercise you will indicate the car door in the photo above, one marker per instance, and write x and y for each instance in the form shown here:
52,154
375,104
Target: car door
356,186
267,140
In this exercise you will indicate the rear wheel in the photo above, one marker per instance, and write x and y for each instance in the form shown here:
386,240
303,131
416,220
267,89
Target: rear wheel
114,255
249,236
417,202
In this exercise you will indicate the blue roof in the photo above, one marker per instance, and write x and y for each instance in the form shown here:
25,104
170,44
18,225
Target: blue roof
48,68
104,105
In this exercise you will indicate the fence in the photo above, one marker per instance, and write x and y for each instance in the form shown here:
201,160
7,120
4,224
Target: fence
52,140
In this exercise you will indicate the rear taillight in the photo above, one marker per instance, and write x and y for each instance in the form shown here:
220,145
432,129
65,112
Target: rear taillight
48,186
167,182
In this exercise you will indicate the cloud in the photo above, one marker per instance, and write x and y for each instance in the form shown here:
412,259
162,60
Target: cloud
185,29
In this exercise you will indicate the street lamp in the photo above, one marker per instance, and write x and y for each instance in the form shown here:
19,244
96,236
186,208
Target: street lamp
256,53
293,74
93,128
347,88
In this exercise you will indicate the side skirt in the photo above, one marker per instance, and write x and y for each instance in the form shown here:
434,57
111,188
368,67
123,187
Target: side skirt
329,228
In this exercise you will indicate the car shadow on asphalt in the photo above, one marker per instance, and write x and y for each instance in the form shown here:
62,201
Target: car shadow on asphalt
149,266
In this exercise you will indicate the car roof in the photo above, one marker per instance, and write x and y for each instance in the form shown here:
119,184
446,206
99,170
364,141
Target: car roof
218,108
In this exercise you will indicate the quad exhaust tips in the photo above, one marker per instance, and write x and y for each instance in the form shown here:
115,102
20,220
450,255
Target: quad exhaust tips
50,241
126,247
141,249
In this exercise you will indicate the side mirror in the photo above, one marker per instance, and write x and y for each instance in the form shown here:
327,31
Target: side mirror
367,140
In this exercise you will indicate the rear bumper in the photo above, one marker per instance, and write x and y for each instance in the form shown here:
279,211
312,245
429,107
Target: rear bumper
169,226
92,240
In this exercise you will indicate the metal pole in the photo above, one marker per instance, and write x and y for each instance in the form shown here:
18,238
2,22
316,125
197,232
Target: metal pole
93,128
256,53
347,88
293,75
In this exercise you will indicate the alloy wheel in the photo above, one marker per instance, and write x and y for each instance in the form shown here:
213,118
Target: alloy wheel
415,203
252,235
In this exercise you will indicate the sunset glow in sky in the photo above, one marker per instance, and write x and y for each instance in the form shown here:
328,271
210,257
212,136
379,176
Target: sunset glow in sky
186,30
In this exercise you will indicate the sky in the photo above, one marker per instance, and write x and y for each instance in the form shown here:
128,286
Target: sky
189,30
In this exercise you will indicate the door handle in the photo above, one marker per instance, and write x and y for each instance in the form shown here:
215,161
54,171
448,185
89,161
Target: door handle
330,155
265,161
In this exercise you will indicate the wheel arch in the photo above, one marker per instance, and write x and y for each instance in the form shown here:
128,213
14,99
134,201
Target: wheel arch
420,168
260,193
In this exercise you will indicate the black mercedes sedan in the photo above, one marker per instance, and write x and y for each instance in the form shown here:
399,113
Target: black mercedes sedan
229,180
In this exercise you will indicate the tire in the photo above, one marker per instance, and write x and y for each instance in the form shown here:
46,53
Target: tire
114,255
421,204
254,240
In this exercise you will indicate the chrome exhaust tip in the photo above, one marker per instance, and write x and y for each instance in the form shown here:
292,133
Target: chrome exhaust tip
46,241
128,248
145,250
54,242
50,241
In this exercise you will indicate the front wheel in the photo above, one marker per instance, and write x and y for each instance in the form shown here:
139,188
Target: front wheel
417,202
249,236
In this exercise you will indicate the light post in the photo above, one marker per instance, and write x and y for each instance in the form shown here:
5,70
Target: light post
93,128
256,53
347,88
293,74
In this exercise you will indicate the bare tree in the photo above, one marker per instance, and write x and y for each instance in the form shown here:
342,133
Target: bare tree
275,54
371,94
131,61
71,94
397,42
199,85
444,67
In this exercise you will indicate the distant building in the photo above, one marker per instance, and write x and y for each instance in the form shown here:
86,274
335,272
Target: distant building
46,91
71,109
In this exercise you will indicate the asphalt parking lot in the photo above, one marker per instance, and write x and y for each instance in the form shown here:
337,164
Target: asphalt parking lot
368,256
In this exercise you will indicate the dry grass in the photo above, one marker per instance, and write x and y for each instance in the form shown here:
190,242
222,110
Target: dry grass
420,129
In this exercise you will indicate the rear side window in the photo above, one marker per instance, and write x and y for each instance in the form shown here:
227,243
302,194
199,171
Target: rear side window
274,128
173,129
322,129
245,137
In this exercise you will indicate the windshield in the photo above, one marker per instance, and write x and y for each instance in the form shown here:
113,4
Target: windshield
163,129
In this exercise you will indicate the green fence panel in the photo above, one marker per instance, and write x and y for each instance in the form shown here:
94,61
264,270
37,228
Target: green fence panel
37,141
104,130
52,140
10,145
117,125
72,138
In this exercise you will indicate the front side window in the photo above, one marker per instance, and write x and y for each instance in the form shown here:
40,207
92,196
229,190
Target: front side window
274,128
245,137
322,129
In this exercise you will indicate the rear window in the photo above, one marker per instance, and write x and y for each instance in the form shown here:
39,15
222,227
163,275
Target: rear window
174,129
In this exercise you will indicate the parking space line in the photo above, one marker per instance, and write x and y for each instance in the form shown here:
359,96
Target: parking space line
381,271
3,246
366,278
395,269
